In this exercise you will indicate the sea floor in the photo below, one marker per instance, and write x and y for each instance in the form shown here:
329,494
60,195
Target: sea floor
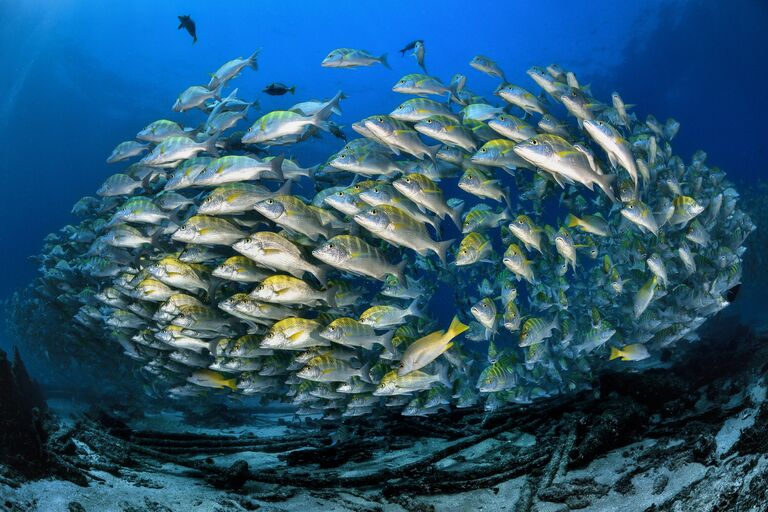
692,437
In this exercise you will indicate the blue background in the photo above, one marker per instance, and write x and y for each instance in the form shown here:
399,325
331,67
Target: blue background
78,77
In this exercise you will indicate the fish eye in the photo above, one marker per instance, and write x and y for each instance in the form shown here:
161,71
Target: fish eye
250,129
400,107
270,201
381,119
402,81
343,155
534,142
340,193
407,180
429,121
376,189
374,211
331,246
483,150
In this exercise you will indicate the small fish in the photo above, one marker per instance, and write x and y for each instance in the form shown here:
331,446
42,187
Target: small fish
352,58
633,352
410,46
188,24
487,66
278,89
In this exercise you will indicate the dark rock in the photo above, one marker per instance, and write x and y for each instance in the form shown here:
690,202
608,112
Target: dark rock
660,483
624,484
75,507
703,449
615,426
232,478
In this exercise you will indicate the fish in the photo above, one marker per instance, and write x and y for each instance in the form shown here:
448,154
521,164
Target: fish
355,255
278,89
383,316
487,66
474,248
187,23
558,157
232,69
398,228
410,46
352,58
175,149
633,352
126,150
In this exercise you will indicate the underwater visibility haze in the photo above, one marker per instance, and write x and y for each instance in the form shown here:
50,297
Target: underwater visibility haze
439,256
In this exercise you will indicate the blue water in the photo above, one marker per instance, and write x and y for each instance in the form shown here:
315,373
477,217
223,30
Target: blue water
80,76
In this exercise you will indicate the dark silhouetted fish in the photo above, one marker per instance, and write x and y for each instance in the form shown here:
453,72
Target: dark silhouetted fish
188,23
278,89
410,46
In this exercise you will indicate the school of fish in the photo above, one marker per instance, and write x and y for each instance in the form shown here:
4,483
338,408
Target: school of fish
561,230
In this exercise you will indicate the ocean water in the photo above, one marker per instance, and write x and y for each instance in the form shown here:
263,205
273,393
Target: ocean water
82,76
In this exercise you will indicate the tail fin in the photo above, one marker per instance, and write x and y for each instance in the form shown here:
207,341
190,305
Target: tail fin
414,310
210,145
325,112
252,59
292,89
285,189
441,248
615,354
455,214
571,221
383,60
506,198
386,341
194,39
230,383
604,182
442,376
455,328
331,298
213,346
365,373
432,151
217,91
320,275
276,167
399,271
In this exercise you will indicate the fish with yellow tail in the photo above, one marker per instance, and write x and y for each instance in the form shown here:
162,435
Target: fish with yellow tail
425,350
634,352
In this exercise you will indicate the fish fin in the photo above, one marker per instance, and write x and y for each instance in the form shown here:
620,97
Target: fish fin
386,340
292,89
441,249
213,346
320,275
455,214
210,145
456,328
414,310
506,197
365,373
432,151
331,299
383,60
400,271
615,354
276,167
571,220
252,59
230,383
604,181
442,376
